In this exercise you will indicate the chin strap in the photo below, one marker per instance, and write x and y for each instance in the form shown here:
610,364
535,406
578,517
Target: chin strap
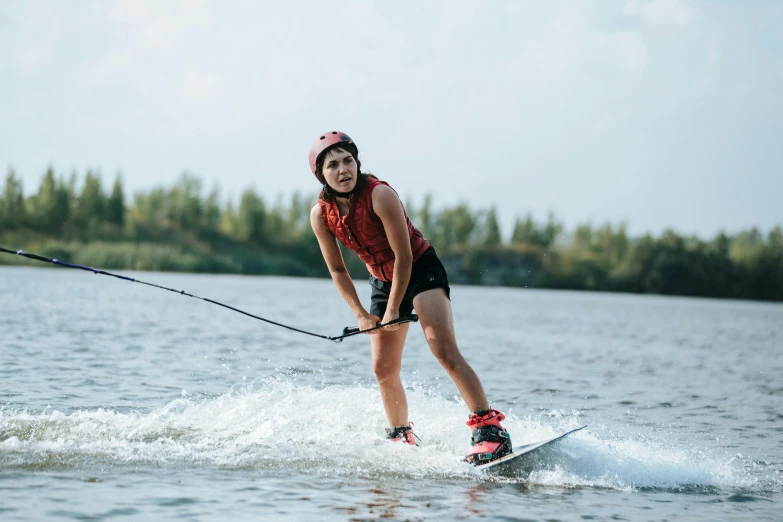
329,190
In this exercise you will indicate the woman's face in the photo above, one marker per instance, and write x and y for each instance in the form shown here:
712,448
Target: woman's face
339,170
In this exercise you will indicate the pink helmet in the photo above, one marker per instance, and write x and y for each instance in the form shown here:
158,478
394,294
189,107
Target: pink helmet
324,141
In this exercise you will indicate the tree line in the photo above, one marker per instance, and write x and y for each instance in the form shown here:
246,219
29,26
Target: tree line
185,228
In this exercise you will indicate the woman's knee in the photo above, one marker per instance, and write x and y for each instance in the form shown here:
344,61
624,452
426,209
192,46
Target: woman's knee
448,355
385,370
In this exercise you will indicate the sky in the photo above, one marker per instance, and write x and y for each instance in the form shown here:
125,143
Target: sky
658,113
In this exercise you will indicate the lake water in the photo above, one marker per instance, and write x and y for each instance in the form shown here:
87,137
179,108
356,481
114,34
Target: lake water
124,402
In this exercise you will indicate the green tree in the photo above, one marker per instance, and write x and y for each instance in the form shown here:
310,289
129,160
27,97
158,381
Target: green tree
491,232
528,232
620,244
13,213
453,227
747,247
152,207
115,205
425,219
410,209
775,239
91,204
251,219
722,276
185,206
65,199
298,216
763,265
632,273
584,238
463,222
525,231
72,196
609,244
721,245
51,206
275,223
551,231
229,221
212,210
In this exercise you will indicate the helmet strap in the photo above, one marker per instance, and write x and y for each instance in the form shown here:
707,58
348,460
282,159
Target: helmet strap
329,190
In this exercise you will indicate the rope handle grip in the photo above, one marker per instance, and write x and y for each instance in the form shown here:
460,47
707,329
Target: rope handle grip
349,331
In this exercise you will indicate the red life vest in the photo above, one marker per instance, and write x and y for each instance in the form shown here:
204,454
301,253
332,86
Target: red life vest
361,230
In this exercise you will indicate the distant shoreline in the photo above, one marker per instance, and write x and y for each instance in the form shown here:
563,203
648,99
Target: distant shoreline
177,229
496,268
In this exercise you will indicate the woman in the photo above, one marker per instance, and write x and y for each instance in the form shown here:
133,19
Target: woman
366,215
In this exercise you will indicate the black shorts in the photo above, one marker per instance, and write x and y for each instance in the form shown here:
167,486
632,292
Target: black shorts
427,273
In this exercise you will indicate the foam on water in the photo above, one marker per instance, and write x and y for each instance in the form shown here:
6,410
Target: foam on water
338,430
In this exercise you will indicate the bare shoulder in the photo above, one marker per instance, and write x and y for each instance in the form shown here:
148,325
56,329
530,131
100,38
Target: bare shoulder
317,217
385,198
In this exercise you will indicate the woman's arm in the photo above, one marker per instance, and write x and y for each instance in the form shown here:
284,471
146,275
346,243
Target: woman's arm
336,265
387,206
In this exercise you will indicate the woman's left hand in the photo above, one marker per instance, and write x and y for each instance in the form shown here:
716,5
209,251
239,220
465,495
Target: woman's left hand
388,317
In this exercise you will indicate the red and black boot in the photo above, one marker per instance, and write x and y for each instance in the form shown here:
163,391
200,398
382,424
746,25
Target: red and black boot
490,440
402,434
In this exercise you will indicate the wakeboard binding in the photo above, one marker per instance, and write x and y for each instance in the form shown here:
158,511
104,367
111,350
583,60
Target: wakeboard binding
402,434
489,440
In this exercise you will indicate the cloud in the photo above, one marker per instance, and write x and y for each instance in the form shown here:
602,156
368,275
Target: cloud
142,34
675,12
455,16
33,48
572,49
713,58
200,85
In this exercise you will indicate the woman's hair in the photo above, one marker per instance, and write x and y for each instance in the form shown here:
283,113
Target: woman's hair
319,166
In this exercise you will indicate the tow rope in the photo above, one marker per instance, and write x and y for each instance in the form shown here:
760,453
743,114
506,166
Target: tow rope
347,331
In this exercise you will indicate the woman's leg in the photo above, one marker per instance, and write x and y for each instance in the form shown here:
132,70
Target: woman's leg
386,358
434,311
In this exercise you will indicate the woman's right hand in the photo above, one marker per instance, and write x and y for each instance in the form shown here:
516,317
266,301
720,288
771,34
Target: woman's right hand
368,321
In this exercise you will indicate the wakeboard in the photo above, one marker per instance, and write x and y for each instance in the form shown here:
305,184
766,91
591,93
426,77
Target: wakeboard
507,461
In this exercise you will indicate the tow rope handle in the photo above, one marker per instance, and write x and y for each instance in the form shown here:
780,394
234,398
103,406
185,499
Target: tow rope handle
350,331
